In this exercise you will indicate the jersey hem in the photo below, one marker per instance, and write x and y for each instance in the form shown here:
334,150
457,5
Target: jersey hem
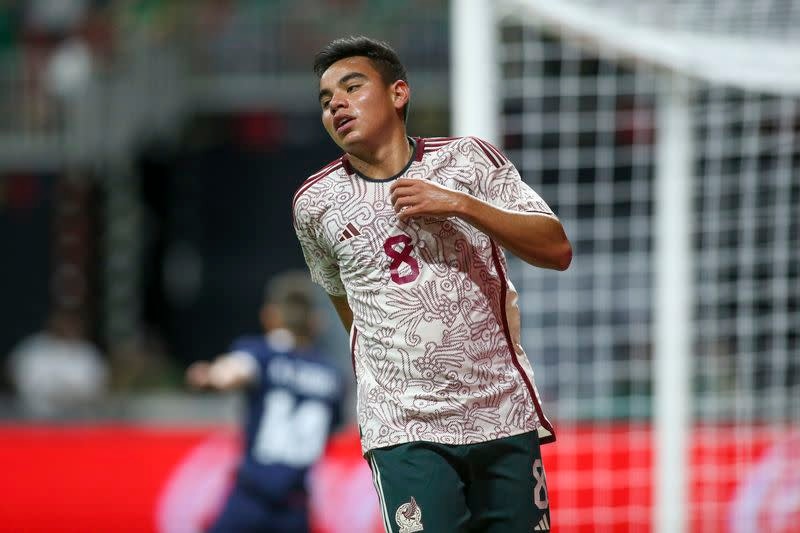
542,440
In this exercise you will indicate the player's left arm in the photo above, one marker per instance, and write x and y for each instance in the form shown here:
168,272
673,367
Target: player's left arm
344,311
536,238
230,371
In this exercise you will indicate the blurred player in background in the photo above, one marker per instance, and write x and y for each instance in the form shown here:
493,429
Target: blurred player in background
293,403
406,235
58,371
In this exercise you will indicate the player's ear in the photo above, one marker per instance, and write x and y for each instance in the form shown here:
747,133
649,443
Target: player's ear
401,93
270,317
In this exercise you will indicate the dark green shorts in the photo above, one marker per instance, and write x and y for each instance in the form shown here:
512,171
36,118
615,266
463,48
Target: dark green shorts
492,487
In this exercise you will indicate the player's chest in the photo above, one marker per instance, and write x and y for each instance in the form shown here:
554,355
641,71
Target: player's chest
369,240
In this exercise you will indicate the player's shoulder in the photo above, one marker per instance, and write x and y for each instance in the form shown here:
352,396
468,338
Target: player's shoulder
436,144
249,339
467,146
319,373
255,345
318,177
319,359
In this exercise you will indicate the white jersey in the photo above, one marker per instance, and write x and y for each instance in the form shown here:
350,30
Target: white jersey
436,328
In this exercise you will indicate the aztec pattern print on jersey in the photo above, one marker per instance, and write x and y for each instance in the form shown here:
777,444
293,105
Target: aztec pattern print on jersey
436,329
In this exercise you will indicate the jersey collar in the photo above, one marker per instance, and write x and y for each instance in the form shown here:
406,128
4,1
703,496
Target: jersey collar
418,150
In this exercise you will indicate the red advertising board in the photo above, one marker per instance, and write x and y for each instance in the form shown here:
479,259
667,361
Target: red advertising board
120,479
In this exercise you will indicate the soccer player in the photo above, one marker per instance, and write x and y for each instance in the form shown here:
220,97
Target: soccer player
293,402
406,235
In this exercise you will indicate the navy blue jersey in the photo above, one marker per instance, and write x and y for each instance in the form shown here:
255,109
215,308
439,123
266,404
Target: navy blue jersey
291,410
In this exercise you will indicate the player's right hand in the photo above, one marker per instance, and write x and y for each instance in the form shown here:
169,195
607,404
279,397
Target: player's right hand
198,374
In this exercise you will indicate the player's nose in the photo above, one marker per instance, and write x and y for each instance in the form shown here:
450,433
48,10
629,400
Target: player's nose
337,102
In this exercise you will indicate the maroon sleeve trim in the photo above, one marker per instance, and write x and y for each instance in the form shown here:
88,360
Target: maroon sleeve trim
314,178
501,274
420,151
353,351
493,154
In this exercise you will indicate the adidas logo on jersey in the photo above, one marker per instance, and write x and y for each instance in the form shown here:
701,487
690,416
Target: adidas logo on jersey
543,525
349,232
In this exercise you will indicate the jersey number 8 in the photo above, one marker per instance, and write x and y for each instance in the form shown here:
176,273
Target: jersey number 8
400,257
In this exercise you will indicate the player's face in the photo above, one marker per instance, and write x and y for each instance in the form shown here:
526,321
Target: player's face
357,105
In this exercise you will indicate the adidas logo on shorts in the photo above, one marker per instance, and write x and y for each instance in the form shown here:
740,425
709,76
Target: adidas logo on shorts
543,525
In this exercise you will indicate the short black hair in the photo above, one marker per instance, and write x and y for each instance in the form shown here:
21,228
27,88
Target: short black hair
381,55
293,294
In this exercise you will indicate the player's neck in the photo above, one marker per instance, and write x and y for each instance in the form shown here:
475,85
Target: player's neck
385,160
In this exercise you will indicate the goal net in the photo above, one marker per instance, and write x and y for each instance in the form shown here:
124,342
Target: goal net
666,136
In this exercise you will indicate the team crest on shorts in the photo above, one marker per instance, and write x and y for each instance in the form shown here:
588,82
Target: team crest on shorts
409,517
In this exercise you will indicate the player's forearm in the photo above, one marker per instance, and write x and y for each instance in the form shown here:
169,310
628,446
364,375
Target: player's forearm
228,372
536,239
343,310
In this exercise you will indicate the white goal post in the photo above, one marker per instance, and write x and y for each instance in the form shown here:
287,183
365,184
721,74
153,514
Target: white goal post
681,308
